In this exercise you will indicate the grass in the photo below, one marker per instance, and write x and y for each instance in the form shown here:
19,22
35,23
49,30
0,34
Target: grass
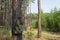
33,34
45,35
49,35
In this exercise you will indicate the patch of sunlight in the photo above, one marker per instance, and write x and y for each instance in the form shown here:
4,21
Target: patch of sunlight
43,34
48,35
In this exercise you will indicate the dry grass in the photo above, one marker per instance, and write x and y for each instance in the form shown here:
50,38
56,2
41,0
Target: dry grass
33,36
44,36
50,36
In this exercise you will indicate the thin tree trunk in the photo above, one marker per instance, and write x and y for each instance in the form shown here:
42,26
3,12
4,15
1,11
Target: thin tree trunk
39,20
0,11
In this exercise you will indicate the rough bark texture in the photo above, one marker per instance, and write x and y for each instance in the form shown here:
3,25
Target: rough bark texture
16,12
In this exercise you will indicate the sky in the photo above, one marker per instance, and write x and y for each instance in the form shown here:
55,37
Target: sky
46,5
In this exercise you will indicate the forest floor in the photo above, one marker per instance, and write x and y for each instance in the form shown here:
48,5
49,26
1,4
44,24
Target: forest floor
46,35
50,36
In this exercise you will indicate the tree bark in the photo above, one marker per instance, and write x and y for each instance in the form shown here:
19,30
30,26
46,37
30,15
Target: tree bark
39,20
16,12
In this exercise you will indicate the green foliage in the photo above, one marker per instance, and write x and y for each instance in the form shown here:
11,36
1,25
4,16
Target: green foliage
50,21
34,24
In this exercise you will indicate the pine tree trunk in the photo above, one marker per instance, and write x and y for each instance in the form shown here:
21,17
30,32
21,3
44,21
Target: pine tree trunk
16,12
39,20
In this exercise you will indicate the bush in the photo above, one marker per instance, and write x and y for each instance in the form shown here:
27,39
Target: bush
34,24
